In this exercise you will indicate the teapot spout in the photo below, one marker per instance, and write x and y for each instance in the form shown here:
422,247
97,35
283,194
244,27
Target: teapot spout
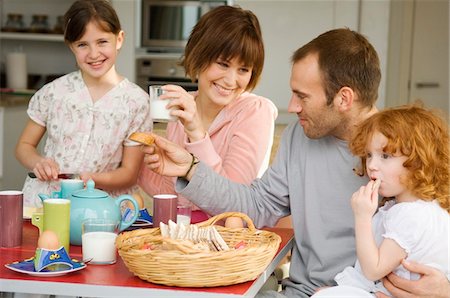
43,197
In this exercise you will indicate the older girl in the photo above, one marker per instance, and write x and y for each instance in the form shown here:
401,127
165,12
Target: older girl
87,114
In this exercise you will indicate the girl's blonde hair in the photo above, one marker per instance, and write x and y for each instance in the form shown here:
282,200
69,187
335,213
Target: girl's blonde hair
420,135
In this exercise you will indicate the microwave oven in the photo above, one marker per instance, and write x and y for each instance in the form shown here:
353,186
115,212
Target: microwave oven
166,24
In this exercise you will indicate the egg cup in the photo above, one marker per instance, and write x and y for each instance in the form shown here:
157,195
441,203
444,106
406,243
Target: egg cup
143,216
52,260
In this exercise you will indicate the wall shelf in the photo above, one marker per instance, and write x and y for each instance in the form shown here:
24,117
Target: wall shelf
32,36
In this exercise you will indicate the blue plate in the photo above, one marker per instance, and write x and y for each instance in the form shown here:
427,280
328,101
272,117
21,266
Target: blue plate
27,267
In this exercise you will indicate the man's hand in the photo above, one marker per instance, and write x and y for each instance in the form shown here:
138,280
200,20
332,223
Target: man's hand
433,283
167,158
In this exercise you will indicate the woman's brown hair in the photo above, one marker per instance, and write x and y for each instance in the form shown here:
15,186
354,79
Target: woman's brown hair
225,32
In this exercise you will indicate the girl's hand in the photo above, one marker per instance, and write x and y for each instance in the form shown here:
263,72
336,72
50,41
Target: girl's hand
46,169
167,158
365,200
86,176
185,110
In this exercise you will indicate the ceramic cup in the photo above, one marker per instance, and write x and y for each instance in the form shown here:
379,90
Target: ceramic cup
158,110
11,209
68,186
184,212
164,208
98,240
56,217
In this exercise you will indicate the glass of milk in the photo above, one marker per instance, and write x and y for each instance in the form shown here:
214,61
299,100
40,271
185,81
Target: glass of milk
158,107
98,236
184,212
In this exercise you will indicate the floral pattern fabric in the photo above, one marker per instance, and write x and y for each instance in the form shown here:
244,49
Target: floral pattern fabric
82,135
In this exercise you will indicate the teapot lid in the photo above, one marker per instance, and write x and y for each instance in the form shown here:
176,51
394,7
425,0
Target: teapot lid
90,191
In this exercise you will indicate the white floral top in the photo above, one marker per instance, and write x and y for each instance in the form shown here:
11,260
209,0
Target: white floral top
83,136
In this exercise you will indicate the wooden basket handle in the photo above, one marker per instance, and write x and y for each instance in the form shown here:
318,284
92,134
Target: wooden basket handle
211,221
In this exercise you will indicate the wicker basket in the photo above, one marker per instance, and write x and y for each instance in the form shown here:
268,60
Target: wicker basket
200,269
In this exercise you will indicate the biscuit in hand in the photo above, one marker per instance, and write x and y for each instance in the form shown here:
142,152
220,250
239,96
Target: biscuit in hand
142,137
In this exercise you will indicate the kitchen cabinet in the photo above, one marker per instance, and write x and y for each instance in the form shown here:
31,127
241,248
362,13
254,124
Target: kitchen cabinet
13,117
47,55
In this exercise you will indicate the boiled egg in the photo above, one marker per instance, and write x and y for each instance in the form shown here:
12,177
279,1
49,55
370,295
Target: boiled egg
48,240
139,200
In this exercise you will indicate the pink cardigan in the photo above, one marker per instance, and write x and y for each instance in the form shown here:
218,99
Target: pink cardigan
235,145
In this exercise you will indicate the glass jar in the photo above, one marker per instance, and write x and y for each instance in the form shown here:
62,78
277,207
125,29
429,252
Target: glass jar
39,23
59,26
14,23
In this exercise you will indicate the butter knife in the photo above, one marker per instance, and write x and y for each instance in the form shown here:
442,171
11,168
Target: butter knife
60,176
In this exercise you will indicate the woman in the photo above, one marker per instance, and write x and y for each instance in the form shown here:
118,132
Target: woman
222,123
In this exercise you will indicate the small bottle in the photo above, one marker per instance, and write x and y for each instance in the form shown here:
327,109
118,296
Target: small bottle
39,23
59,25
14,23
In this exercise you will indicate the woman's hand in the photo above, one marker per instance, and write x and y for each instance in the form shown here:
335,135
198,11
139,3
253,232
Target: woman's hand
167,158
46,169
432,283
185,110
365,200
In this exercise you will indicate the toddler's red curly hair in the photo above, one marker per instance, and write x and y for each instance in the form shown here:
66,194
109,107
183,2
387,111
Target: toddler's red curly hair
423,137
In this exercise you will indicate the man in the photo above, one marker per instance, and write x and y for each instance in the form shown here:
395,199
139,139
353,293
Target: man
334,83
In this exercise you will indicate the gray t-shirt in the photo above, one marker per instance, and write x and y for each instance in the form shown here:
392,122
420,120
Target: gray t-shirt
313,180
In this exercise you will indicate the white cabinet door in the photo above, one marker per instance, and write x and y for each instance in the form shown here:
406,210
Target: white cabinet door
429,79
13,122
288,24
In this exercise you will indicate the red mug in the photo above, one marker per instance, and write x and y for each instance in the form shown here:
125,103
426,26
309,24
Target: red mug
164,208
11,210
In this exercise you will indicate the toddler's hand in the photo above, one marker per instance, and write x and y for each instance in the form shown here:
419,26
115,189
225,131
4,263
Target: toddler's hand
365,200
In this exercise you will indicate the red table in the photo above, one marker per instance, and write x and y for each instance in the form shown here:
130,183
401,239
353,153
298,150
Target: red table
115,280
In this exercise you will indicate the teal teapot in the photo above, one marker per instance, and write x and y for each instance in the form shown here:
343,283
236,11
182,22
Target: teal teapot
94,203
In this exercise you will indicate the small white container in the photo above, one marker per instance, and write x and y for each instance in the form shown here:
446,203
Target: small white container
16,70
